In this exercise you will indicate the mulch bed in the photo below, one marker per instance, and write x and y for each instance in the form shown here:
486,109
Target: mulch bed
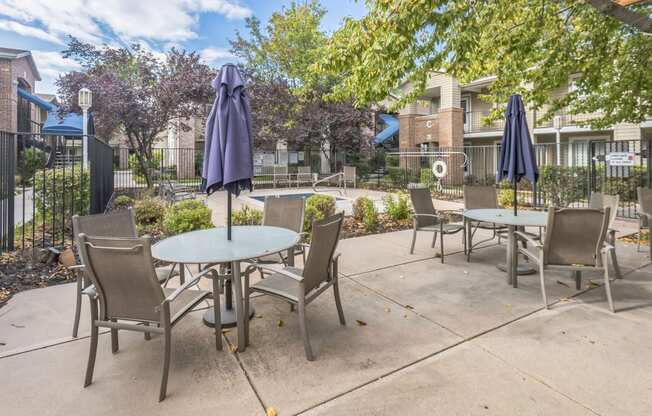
354,228
19,271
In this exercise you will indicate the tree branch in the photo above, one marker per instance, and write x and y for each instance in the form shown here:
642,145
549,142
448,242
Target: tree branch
618,12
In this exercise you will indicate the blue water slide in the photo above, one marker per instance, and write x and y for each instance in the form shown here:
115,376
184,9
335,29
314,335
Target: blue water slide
389,131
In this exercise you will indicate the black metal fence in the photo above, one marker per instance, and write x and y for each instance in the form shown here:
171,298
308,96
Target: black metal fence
569,172
45,182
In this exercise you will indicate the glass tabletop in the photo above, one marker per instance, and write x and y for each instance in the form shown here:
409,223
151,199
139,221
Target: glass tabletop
211,246
506,217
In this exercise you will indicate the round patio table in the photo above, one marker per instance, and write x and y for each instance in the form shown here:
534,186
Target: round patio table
212,247
513,222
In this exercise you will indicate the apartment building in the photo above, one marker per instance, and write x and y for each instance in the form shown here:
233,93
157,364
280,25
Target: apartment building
451,114
20,109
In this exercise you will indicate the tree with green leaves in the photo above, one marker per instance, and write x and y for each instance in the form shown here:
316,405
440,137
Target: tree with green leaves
287,96
531,46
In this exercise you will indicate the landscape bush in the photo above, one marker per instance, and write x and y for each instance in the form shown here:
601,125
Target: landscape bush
560,186
185,216
365,211
399,208
247,216
149,213
123,201
137,170
61,193
29,161
359,206
318,207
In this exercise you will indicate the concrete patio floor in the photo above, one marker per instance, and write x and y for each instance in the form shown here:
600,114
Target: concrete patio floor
421,338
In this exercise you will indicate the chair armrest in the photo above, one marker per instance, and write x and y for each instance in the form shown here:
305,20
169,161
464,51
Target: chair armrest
454,211
172,296
426,215
275,268
524,237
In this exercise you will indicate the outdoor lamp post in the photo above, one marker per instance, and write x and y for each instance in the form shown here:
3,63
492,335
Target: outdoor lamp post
556,123
85,100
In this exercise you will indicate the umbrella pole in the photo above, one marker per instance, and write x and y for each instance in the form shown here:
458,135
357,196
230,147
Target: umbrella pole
515,200
228,216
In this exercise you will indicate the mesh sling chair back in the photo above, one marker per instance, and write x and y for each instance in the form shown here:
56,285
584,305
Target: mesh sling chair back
644,213
117,224
126,295
599,201
301,286
284,213
575,240
480,197
426,218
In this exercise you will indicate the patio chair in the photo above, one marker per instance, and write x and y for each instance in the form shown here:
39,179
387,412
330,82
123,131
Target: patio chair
304,174
574,241
350,175
173,192
302,286
480,197
283,213
281,175
130,297
426,218
599,201
644,214
116,224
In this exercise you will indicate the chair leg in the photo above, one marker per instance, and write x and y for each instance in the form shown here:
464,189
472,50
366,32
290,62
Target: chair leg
434,240
414,240
607,284
578,279
543,283
464,239
338,301
78,302
167,341
148,335
614,259
217,313
469,241
93,346
114,339
441,246
304,330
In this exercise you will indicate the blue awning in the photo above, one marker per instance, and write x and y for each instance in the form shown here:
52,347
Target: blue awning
389,131
71,124
36,100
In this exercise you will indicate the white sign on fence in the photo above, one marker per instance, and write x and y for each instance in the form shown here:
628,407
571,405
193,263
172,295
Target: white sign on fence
621,159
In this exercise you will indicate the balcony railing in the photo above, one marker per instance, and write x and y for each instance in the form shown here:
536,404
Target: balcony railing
473,123
567,119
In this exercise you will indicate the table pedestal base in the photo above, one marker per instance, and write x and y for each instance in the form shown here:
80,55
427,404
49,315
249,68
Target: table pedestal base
521,270
227,315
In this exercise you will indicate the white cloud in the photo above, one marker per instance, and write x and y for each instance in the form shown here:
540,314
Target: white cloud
211,55
51,65
96,21
29,31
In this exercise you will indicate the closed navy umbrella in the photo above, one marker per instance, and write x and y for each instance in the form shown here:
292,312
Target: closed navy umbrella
517,159
228,147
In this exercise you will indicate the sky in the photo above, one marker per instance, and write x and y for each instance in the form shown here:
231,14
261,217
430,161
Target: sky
205,26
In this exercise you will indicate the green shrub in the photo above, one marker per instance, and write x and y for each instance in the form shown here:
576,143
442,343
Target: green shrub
123,201
318,207
149,211
359,206
560,186
391,160
154,164
399,208
247,216
185,216
30,160
61,193
427,178
370,216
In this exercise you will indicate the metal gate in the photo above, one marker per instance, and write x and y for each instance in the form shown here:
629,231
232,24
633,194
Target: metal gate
618,168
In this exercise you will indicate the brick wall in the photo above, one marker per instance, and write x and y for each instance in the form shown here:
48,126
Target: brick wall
426,129
7,98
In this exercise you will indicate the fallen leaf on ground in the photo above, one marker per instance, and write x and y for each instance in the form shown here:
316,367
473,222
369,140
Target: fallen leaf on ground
271,412
410,307
18,326
388,310
360,323
226,331
279,323
259,316
591,284
466,272
559,282
233,348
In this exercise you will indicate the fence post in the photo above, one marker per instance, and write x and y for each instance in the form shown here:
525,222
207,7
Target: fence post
7,188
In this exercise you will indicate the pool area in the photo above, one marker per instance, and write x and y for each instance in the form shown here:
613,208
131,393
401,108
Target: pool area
261,198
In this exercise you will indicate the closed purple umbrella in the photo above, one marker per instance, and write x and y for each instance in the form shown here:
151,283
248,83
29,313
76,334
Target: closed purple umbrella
228,154
517,159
